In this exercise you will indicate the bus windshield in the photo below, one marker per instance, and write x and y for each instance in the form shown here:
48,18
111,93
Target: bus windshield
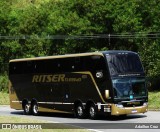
129,87
124,64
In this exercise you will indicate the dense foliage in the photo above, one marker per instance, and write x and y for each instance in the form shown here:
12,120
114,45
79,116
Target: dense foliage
40,27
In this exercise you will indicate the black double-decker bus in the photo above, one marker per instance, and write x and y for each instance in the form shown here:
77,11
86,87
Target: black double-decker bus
87,84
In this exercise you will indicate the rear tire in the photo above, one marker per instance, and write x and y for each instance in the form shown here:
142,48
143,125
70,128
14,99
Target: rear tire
80,112
92,112
35,109
27,109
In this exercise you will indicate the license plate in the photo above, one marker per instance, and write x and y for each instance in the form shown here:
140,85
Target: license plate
134,111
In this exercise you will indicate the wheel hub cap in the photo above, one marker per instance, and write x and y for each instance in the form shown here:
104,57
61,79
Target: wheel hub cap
35,109
92,112
80,111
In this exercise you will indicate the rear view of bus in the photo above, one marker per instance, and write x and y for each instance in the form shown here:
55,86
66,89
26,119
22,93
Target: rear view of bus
127,77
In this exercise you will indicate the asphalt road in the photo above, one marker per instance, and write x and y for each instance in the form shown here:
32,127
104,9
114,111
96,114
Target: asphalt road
98,125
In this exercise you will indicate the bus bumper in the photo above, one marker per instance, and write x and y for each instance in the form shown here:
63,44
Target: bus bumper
128,110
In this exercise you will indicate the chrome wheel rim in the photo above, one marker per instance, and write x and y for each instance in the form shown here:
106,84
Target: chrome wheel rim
92,112
79,111
35,109
26,108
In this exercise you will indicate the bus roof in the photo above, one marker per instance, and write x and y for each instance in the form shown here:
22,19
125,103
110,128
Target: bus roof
100,53
57,56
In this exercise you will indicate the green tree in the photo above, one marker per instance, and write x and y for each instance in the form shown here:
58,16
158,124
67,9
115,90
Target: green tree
40,28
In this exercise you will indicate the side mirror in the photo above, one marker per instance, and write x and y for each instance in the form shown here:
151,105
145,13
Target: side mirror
107,94
149,84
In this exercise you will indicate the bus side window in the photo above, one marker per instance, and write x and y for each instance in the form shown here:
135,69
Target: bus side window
12,68
30,67
99,63
77,60
78,64
16,68
95,63
66,65
39,66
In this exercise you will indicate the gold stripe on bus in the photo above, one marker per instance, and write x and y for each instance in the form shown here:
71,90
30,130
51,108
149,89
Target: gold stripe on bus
58,56
42,109
94,82
55,103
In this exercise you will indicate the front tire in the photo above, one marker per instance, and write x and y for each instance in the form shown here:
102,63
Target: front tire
35,109
80,112
92,111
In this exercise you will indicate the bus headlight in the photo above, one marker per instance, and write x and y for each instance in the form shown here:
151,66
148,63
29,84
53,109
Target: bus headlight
107,94
145,104
119,105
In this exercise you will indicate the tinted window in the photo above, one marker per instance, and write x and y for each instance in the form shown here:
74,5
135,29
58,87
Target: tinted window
16,67
124,63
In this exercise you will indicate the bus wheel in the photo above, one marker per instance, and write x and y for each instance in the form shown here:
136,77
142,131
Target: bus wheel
92,112
80,111
35,109
27,109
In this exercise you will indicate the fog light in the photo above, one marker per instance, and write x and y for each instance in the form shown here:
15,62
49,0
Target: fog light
119,105
107,109
145,104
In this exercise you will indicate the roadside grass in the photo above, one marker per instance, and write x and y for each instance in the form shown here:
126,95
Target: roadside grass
4,98
57,127
154,100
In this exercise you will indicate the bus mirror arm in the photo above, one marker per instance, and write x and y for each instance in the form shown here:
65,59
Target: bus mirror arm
107,94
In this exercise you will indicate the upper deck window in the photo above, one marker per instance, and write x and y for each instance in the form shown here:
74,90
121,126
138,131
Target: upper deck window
124,63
